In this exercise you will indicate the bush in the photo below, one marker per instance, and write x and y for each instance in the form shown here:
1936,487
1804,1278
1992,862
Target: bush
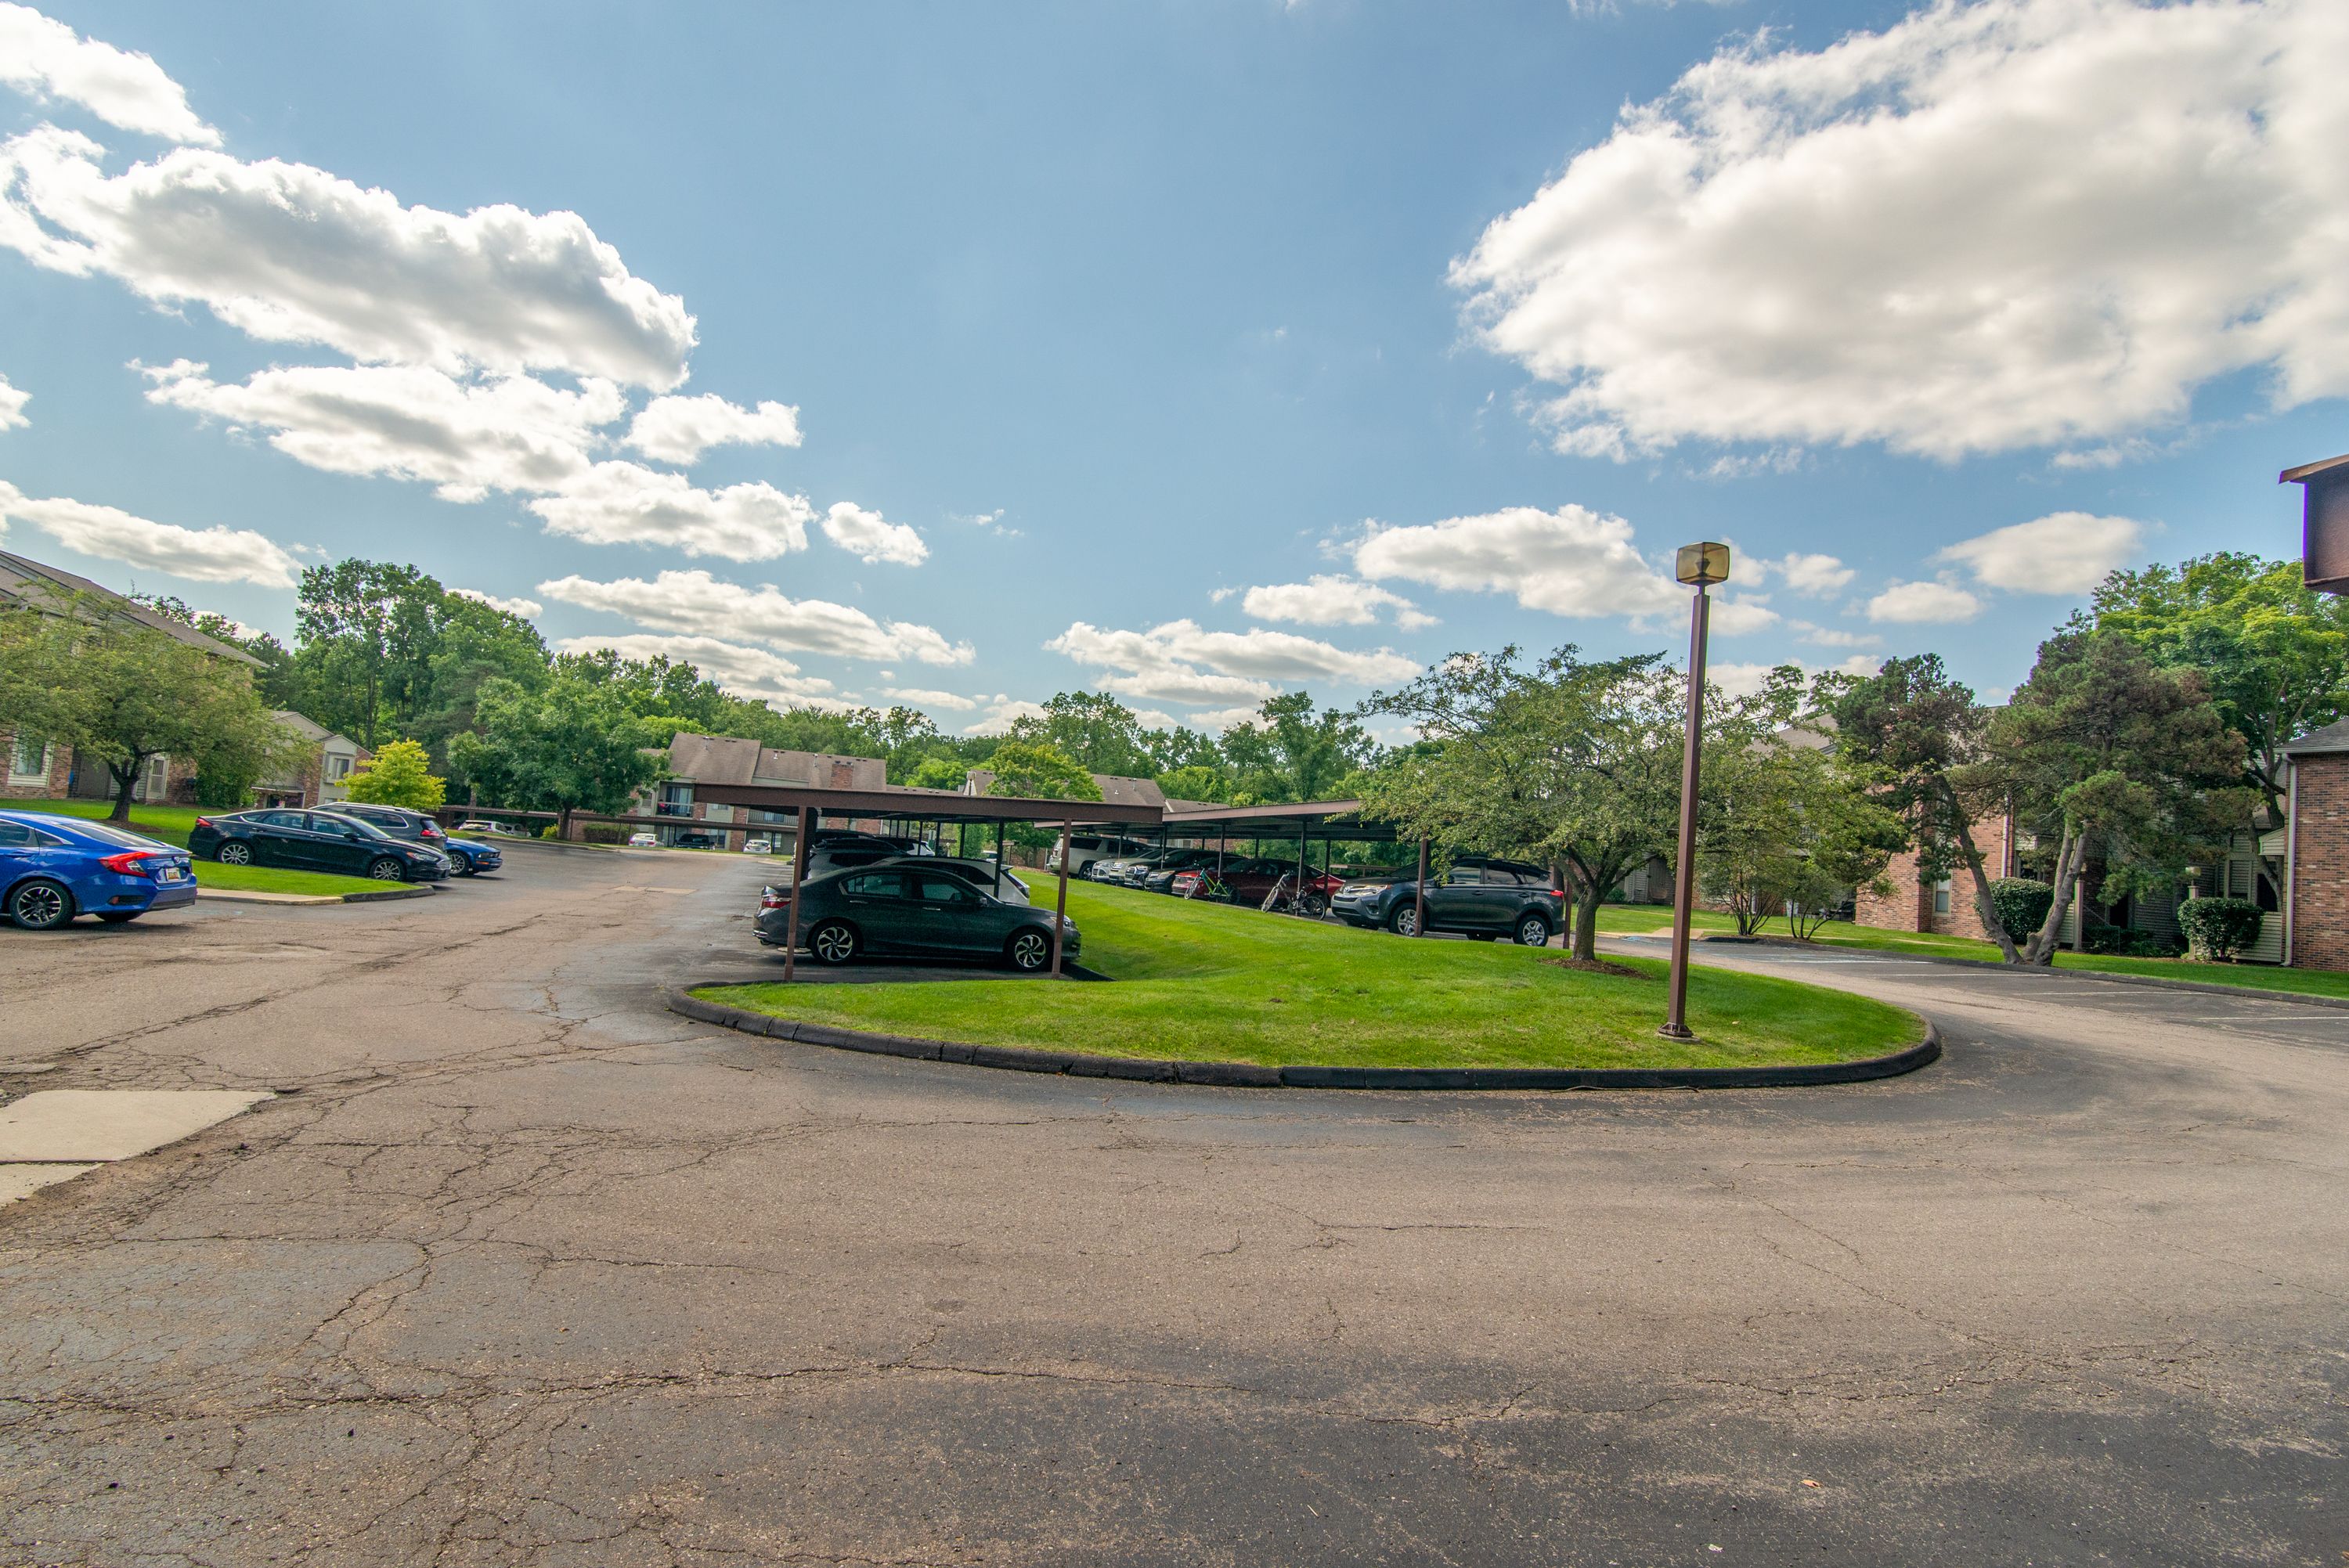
2022,904
2220,927
604,833
2121,941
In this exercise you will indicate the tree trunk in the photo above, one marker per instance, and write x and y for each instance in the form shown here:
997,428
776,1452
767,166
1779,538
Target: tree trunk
1984,906
123,779
2068,861
1585,920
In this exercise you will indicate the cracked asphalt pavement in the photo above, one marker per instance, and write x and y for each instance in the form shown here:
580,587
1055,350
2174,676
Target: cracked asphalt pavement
518,1268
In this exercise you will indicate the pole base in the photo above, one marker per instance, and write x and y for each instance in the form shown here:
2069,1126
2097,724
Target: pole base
1676,1032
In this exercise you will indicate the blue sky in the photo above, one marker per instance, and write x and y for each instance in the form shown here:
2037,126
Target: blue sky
1096,317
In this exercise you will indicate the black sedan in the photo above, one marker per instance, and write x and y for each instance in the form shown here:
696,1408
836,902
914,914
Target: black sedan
314,841
902,909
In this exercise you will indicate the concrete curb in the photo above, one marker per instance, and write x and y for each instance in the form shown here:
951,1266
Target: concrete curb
2151,982
283,900
1243,1075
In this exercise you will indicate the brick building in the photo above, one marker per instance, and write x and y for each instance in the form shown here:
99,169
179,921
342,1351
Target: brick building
1945,907
2316,848
728,760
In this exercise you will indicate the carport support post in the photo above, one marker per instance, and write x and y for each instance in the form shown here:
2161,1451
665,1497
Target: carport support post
799,875
1419,895
1299,904
1061,909
998,860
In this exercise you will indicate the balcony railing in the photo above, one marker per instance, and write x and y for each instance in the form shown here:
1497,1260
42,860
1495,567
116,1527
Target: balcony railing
672,807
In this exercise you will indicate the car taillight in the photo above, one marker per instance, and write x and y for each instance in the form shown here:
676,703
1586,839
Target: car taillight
774,899
203,821
430,832
129,863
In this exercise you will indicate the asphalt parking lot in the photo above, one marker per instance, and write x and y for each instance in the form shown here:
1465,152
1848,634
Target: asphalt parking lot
516,1268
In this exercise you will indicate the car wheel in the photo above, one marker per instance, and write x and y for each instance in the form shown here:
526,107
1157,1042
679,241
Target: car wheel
833,942
1533,932
387,869
1404,920
1028,950
40,906
462,867
1313,906
119,916
233,853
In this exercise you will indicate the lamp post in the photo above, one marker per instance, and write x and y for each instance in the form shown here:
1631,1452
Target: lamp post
1701,566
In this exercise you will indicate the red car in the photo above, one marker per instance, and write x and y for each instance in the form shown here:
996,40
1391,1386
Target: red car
1247,882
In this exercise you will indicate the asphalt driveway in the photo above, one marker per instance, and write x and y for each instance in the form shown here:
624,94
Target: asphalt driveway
516,1268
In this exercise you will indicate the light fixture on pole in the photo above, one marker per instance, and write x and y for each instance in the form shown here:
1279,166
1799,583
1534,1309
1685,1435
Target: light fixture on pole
1701,566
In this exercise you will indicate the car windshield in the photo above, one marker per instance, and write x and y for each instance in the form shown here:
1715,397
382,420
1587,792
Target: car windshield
107,833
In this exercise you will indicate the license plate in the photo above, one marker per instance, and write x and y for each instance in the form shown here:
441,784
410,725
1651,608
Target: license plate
174,873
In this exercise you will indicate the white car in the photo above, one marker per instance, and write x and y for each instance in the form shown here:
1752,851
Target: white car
757,847
642,841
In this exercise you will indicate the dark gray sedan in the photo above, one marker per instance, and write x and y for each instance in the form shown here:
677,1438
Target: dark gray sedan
901,909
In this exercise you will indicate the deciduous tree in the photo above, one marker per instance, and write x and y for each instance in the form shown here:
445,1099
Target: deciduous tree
400,774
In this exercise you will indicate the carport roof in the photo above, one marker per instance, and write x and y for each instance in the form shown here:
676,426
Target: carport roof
927,805
1327,819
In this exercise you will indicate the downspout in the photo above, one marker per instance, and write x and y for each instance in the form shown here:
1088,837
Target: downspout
2291,862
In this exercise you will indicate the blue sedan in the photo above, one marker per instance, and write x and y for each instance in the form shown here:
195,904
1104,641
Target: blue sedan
54,867
471,858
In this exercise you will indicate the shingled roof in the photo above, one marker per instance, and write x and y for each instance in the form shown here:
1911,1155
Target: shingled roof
31,581
732,760
1115,788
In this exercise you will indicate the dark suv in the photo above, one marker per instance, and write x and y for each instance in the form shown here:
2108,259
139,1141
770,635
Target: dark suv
1502,899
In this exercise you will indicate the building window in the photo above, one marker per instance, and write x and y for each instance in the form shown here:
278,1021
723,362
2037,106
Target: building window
337,769
1941,896
28,760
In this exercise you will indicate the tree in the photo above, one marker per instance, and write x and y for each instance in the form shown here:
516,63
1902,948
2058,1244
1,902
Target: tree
83,676
1096,731
1780,829
1289,752
1196,782
1037,770
2273,654
1569,762
2101,743
570,746
940,773
366,632
400,775
1908,735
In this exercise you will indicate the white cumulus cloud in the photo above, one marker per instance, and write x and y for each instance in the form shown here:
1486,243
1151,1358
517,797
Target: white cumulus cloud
871,537
1571,562
922,696
410,422
1181,662
291,254
218,554
1923,603
2002,225
680,429
695,604
1003,713
2063,553
528,609
744,670
42,58
627,503
1812,574
1332,601
12,406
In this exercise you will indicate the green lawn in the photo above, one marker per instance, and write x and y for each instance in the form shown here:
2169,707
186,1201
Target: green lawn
1627,919
1207,981
171,825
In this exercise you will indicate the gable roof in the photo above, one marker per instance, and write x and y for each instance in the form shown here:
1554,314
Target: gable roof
1116,789
2318,742
26,579
736,759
